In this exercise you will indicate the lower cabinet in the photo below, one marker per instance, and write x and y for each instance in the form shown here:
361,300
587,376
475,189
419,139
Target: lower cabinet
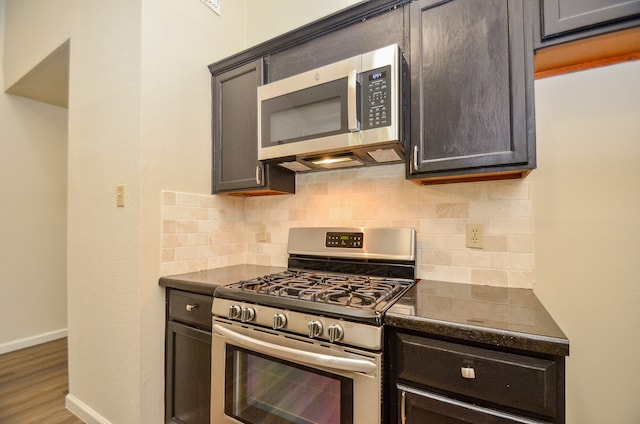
188,358
417,406
433,380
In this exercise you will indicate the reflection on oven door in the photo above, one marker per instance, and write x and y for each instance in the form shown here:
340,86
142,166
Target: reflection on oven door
254,387
269,390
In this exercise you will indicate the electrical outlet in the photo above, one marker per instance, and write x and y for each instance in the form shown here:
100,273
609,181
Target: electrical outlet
213,5
262,235
475,236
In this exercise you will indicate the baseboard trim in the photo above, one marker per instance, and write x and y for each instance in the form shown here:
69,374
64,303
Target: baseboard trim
83,411
32,341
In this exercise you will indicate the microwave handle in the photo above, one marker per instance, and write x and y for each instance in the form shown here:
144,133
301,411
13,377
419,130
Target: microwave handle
310,358
352,104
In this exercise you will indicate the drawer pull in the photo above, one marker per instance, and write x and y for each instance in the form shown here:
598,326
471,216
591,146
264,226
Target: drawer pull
191,306
468,372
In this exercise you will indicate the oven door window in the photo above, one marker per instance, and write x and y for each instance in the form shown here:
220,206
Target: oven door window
317,111
265,390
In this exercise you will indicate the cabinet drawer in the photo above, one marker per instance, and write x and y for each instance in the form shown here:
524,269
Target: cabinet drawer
417,406
507,379
190,308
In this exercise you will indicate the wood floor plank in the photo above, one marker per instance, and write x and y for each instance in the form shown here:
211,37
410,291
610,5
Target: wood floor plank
33,384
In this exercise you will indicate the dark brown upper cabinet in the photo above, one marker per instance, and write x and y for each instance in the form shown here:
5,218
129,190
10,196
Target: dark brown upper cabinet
471,87
472,101
569,20
364,36
236,168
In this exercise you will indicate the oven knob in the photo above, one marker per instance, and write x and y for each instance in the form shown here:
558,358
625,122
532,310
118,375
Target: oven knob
234,312
335,333
315,329
247,314
279,321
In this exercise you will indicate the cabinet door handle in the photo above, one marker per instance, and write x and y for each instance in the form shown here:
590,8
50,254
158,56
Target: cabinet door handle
258,175
468,372
191,306
415,158
403,408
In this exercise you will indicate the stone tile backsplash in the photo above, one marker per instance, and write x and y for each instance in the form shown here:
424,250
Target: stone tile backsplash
205,231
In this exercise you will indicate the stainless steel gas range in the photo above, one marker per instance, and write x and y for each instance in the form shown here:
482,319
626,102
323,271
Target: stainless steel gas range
305,345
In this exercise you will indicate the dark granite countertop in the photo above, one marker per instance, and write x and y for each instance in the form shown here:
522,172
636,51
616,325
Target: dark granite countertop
205,282
497,316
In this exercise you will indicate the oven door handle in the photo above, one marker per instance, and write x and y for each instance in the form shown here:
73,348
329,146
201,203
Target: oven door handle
309,358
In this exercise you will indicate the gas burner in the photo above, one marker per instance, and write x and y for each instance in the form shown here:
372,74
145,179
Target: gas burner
355,291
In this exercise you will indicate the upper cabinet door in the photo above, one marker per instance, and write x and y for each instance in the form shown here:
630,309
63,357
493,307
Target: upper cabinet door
236,168
235,128
472,105
562,16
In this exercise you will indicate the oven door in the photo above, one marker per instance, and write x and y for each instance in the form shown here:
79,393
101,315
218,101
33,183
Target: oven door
260,376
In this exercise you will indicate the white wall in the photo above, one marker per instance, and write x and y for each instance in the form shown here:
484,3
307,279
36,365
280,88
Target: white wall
33,166
179,40
104,240
49,26
587,227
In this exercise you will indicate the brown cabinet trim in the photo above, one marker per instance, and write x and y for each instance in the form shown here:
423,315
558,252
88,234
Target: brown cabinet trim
593,52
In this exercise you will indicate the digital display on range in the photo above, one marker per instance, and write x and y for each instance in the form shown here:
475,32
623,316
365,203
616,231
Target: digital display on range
345,240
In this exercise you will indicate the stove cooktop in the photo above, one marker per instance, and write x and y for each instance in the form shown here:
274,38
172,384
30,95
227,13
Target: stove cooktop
348,273
353,297
356,291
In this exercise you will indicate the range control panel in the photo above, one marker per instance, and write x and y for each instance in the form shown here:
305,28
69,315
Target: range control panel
348,240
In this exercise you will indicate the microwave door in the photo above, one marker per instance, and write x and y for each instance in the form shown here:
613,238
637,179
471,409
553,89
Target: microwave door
295,122
311,112
305,114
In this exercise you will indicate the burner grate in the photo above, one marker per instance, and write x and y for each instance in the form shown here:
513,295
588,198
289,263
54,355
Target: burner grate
357,291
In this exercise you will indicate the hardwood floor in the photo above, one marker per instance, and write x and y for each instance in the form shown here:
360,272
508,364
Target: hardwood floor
33,384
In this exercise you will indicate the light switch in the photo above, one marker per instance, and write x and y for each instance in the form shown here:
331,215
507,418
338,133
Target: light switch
120,195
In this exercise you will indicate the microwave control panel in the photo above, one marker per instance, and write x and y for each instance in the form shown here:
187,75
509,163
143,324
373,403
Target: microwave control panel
376,98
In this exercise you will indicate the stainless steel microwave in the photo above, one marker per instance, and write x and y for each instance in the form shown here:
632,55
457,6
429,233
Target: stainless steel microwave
348,113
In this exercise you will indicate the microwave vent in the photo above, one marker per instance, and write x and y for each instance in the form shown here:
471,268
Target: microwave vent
295,166
384,155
